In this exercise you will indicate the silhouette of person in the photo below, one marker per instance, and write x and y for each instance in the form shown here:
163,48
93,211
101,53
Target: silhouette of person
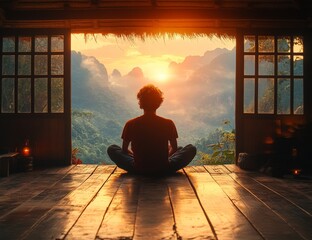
153,140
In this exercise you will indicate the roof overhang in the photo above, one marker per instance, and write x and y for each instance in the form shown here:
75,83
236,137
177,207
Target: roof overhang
156,16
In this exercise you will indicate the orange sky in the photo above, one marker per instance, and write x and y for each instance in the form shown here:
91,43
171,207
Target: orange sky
152,55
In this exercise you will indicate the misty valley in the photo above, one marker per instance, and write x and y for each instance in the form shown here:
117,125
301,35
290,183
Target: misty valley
199,98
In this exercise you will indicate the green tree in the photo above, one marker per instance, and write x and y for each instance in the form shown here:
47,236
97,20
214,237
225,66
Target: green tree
223,149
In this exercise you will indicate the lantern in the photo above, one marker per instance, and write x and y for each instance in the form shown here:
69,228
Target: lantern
296,172
26,149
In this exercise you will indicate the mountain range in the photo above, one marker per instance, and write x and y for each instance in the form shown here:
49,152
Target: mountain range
198,96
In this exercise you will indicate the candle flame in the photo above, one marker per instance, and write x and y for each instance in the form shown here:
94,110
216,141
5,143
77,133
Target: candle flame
296,172
26,151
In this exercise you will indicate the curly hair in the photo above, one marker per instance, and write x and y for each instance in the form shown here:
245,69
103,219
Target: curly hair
150,97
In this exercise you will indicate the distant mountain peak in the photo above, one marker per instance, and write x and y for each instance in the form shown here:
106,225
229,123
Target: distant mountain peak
116,73
194,62
136,72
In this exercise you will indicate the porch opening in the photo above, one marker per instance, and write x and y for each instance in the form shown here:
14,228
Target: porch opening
197,76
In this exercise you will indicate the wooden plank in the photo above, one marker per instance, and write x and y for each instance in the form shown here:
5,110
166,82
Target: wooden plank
84,168
191,169
217,169
270,225
154,219
25,186
120,170
197,169
290,190
11,199
15,179
190,219
122,211
59,170
304,187
228,222
299,220
18,181
89,223
102,169
68,209
26,215
234,168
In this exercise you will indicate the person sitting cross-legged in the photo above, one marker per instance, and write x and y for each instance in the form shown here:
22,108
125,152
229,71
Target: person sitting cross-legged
153,140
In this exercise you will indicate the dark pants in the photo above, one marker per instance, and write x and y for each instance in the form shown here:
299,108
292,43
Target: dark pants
180,159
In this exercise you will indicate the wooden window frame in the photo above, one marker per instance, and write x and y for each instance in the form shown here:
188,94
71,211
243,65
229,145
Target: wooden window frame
256,76
66,68
49,133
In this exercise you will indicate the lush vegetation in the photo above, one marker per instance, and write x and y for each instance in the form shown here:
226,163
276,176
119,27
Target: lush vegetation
87,137
218,147
98,114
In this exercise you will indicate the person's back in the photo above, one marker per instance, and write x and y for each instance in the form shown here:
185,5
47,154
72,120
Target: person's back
149,135
153,140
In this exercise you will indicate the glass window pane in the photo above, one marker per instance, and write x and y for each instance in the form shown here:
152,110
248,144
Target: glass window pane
24,64
298,65
8,44
298,96
249,65
57,43
249,95
283,96
266,44
266,95
41,44
8,65
266,65
7,99
249,43
24,44
283,65
24,95
57,95
283,44
57,64
41,64
298,45
41,95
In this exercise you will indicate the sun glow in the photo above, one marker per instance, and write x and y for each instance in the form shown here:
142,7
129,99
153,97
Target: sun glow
161,76
152,55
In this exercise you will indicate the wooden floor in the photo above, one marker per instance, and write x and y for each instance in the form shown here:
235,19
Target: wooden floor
204,202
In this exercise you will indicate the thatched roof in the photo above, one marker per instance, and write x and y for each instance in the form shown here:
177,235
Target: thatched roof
154,17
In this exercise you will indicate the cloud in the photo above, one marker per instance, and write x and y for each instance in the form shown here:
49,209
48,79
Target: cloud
98,76
132,52
207,95
128,85
199,96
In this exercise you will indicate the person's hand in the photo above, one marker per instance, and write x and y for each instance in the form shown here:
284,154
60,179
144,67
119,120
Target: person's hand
172,146
130,153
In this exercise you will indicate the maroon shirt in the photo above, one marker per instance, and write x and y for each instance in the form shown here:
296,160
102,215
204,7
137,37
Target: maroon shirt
149,136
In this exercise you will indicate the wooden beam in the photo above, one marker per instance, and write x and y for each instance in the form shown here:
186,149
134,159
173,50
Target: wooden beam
124,26
303,7
217,3
2,17
153,13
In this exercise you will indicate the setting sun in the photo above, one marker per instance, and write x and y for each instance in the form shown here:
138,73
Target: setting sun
161,76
